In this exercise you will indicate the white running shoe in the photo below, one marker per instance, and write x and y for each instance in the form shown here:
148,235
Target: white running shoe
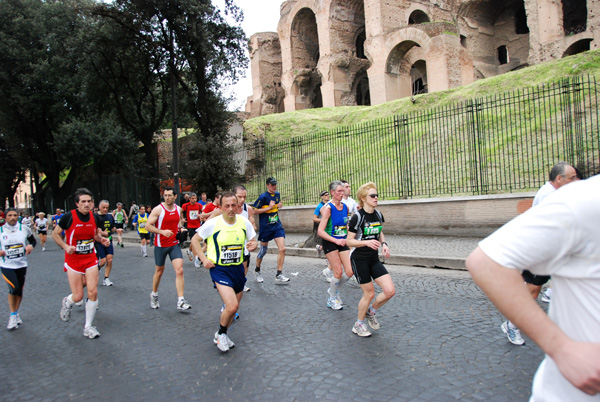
328,274
229,341
246,288
91,332
281,278
19,320
221,342
333,304
372,320
259,277
197,262
154,301
12,322
189,254
65,311
513,334
107,282
337,295
43,248
145,255
361,329
183,305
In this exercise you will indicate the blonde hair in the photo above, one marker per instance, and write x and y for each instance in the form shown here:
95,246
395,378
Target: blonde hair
363,191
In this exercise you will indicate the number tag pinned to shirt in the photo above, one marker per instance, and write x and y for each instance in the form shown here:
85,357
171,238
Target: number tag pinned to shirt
84,246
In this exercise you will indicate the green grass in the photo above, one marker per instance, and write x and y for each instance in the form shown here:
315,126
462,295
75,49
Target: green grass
303,122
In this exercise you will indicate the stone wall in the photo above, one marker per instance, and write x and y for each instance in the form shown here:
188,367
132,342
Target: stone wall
455,216
348,52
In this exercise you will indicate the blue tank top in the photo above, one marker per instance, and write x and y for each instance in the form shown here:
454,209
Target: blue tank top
337,225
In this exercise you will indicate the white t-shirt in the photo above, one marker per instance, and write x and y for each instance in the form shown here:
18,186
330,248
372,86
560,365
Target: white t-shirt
13,240
561,238
546,189
42,224
351,204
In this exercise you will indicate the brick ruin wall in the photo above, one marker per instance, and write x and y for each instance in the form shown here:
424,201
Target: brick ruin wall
362,52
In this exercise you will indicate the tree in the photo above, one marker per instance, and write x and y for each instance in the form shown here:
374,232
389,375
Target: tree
189,41
43,101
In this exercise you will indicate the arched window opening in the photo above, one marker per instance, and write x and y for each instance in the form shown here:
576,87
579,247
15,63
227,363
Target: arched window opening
503,55
360,45
463,41
418,17
363,94
574,16
521,27
578,47
418,75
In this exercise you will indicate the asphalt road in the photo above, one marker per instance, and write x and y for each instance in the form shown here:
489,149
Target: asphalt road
440,340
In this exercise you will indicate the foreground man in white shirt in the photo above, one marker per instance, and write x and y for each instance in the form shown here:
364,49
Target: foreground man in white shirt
561,237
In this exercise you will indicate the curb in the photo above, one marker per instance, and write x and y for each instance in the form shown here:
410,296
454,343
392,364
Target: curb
455,263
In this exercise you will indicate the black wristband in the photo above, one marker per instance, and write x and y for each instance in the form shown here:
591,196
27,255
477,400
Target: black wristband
385,242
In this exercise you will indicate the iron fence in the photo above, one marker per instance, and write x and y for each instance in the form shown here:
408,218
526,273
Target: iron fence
495,144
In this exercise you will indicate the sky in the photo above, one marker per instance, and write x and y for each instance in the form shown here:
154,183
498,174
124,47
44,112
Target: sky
259,16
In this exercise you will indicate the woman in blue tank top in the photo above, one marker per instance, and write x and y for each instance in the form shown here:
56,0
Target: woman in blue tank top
333,229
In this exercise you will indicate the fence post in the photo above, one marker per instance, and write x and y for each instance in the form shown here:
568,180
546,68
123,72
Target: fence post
401,128
478,158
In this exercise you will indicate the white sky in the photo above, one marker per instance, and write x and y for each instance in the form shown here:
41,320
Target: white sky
259,16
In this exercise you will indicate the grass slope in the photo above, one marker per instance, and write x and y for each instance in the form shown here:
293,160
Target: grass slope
283,125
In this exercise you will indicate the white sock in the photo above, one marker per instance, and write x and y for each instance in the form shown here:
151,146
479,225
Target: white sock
90,312
70,301
144,249
154,293
180,298
343,279
333,287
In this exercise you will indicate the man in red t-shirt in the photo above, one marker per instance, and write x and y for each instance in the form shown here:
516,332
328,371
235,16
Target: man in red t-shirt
210,207
191,211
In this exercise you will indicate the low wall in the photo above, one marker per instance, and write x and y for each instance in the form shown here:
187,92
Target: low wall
476,216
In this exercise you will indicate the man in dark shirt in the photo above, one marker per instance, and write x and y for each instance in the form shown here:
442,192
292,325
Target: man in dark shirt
105,253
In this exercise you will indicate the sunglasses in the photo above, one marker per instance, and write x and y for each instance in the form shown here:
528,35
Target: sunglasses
373,195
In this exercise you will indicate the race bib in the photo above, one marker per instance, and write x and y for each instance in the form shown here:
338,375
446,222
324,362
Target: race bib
142,225
42,227
84,246
273,219
340,230
231,254
14,251
193,215
372,229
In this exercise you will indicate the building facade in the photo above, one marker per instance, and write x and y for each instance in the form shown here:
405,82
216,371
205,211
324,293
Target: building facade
363,52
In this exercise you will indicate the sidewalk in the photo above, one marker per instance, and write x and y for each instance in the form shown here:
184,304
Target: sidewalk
448,252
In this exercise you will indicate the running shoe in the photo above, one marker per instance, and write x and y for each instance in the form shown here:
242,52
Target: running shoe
372,320
337,295
197,262
91,332
513,334
145,255
246,288
328,274
229,341
189,254
183,305
107,282
221,341
65,311
12,322
333,304
547,295
154,301
122,245
319,249
19,320
259,277
281,278
361,330
43,248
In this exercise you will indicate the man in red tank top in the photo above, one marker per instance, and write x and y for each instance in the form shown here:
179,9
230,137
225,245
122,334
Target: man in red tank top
165,220
81,230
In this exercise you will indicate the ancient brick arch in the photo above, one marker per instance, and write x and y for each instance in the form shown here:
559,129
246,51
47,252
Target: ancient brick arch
327,45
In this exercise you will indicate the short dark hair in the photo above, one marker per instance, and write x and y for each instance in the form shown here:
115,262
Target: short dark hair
82,191
169,189
343,181
238,187
228,194
558,170
218,195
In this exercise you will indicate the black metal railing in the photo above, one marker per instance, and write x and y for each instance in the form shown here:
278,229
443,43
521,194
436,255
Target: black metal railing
496,144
